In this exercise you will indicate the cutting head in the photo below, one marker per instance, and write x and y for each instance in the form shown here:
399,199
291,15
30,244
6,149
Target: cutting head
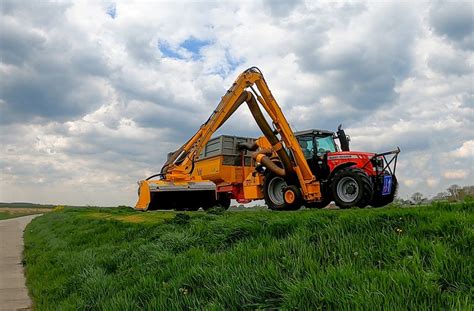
167,195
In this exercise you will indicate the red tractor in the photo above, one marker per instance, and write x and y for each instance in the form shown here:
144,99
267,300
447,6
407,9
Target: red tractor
349,178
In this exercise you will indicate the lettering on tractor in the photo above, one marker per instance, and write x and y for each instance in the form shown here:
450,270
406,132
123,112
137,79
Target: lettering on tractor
286,169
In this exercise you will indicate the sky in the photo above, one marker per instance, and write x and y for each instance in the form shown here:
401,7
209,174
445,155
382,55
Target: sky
94,94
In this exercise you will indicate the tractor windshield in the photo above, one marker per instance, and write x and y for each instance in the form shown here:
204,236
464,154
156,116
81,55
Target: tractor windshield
325,144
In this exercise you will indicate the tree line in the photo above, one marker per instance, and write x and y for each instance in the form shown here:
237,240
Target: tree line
453,193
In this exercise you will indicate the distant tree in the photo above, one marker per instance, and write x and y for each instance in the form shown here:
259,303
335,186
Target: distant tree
453,191
441,196
466,193
417,197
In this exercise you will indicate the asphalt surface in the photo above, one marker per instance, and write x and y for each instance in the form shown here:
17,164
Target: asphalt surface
13,292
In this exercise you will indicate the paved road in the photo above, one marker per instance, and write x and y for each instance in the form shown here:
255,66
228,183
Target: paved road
13,292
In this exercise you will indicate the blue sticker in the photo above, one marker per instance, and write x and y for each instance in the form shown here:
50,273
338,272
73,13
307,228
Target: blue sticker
387,185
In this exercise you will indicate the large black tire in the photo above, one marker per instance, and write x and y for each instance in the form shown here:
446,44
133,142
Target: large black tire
223,200
380,200
351,187
273,187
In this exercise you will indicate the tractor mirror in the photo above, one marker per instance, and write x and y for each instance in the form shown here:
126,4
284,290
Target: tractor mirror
343,139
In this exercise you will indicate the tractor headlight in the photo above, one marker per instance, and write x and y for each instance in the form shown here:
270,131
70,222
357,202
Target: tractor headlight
378,163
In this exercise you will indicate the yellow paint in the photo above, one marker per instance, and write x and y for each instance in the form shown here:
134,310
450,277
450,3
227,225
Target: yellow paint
214,170
253,186
144,196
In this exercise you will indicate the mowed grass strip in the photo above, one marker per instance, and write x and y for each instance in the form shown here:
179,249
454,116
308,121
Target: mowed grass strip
372,259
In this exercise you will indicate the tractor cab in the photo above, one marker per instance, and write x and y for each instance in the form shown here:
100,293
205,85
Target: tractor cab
316,142
316,145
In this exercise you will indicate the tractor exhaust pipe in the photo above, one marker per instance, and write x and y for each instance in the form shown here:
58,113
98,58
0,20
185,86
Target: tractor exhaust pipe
343,138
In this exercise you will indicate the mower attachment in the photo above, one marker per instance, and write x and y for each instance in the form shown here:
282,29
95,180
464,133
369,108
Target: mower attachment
167,195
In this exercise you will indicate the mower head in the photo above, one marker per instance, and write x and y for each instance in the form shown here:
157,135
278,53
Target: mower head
168,195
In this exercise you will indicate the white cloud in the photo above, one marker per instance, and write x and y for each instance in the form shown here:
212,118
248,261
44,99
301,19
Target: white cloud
90,103
456,174
465,151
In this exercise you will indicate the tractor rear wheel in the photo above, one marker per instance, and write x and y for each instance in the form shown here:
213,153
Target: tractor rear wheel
276,189
351,187
380,200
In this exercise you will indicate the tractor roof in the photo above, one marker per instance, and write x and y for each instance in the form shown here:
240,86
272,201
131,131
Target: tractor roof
314,132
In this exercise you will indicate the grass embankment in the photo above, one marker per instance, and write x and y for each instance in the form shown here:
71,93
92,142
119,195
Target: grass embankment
413,258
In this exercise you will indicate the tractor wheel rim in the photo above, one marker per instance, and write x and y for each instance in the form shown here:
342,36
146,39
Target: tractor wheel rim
347,189
275,190
289,196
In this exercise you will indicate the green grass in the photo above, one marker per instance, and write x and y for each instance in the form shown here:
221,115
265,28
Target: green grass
374,259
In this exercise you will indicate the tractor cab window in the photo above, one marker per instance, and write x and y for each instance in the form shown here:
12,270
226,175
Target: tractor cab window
325,144
307,145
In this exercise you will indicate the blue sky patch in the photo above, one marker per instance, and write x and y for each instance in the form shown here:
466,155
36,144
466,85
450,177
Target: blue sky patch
191,45
168,51
194,45
112,10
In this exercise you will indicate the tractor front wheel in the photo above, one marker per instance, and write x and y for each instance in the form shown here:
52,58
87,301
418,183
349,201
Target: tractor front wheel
278,195
351,187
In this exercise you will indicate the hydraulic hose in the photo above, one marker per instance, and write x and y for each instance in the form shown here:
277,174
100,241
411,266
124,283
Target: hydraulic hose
261,156
270,135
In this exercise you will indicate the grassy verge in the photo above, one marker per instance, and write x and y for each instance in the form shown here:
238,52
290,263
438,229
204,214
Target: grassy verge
117,259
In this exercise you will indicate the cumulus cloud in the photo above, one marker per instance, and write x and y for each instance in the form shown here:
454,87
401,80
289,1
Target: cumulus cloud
465,151
362,69
454,21
95,94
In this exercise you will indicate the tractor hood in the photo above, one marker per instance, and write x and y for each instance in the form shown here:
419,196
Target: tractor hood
346,155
